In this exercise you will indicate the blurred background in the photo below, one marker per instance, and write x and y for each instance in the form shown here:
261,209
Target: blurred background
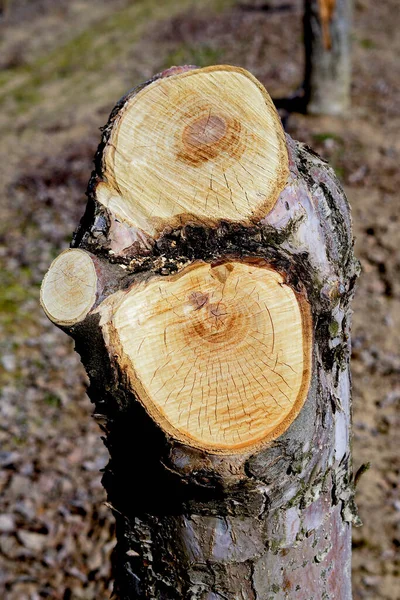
63,65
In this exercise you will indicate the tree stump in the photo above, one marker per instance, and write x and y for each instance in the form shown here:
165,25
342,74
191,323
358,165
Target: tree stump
207,290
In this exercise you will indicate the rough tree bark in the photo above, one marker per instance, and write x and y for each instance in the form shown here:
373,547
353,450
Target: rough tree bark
207,290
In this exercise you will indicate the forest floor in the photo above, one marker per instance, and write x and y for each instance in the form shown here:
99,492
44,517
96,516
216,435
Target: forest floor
62,67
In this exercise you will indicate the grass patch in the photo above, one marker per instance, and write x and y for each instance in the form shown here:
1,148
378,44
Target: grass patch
201,56
323,136
367,44
332,152
16,288
96,47
52,400
340,171
26,97
12,294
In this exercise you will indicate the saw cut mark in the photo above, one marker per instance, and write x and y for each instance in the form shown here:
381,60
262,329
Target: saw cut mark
69,287
218,355
202,145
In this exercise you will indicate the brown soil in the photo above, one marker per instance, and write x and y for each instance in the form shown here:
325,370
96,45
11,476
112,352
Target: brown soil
63,65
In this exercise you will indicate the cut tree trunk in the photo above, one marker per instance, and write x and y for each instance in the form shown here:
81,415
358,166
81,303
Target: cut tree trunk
327,30
208,290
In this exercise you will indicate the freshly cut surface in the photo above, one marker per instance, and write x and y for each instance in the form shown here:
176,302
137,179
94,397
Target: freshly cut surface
220,356
203,145
69,287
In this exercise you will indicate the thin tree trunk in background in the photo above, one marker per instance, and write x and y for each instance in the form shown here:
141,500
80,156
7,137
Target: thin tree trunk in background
208,291
327,40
